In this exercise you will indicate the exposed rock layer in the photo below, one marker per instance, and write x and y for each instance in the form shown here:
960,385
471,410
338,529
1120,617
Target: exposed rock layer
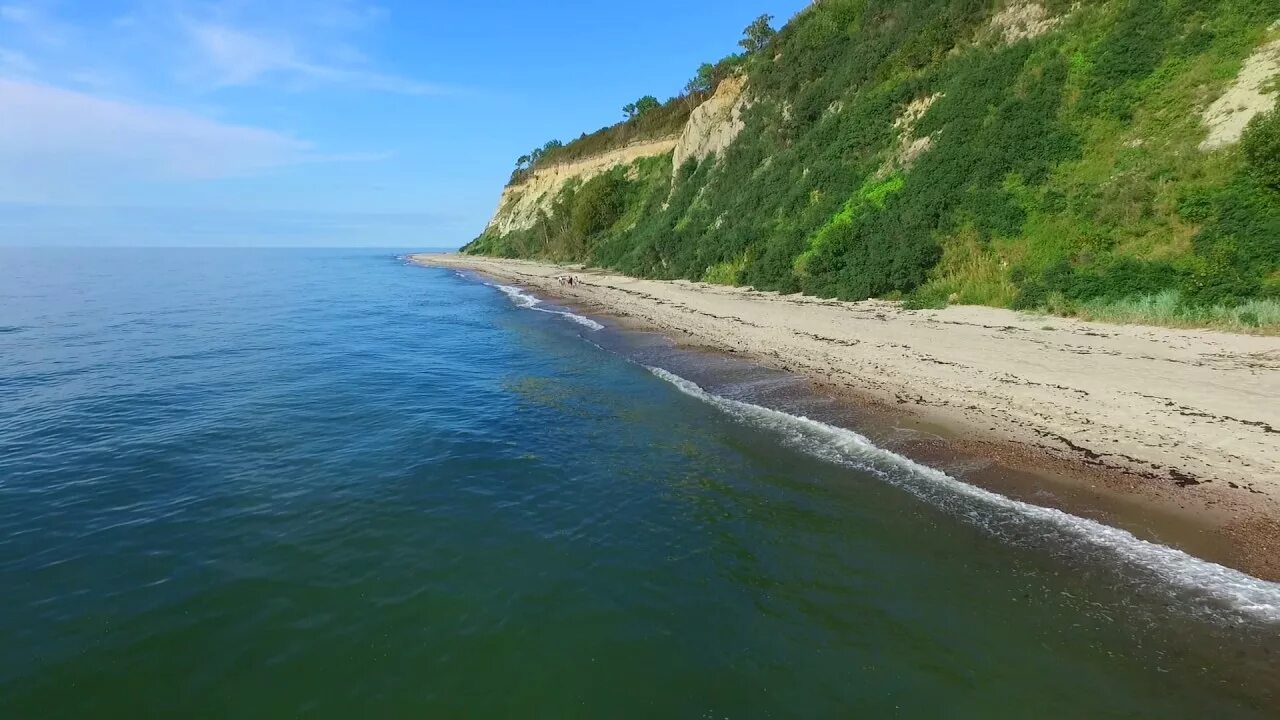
1249,96
714,124
711,128
520,203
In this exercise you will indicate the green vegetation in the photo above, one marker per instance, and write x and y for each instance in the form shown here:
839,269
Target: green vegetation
525,163
758,34
709,76
646,104
1168,308
1060,172
587,216
1261,147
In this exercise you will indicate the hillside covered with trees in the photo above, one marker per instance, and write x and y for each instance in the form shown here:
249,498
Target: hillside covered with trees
1077,157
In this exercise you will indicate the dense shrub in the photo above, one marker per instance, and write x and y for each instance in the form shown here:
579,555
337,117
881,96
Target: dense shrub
1238,249
598,205
1261,147
1130,51
1115,280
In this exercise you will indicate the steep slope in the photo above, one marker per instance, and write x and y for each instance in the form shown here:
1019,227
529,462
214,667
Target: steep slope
1105,157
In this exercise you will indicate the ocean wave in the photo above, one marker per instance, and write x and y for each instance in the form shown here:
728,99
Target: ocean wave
525,300
1201,585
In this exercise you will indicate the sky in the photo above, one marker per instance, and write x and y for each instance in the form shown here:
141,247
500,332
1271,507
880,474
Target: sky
314,122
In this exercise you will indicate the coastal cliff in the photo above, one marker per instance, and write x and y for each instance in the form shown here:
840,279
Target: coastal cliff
711,128
522,202
1114,161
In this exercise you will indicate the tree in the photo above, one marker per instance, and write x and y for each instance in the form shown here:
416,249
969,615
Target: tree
537,154
630,110
598,205
645,104
758,34
703,82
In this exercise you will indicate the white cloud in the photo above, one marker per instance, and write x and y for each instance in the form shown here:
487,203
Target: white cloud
238,58
195,47
235,56
58,145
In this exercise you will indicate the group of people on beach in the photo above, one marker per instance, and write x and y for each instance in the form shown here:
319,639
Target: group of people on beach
569,280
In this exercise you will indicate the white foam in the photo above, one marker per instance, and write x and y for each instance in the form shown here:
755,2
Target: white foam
525,300
1202,585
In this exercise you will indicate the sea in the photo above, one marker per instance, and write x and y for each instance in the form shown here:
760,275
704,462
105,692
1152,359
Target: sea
305,483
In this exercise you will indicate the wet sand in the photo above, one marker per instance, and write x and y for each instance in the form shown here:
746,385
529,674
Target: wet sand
1172,434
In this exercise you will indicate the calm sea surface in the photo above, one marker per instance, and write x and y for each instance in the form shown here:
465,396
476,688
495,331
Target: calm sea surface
327,484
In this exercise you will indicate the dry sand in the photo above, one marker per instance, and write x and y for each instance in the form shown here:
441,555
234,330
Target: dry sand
1180,417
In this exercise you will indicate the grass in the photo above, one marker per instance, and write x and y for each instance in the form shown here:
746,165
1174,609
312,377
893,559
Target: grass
970,273
1258,317
726,273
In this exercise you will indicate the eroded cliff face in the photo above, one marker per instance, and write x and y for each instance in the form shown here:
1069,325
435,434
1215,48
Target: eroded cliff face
1252,93
713,125
520,203
711,128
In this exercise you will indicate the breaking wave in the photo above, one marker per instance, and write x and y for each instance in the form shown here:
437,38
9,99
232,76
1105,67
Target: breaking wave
1201,585
525,300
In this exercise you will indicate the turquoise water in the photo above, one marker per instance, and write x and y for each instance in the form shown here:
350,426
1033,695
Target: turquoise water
268,483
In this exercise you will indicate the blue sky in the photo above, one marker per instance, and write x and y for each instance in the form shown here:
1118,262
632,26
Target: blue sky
313,122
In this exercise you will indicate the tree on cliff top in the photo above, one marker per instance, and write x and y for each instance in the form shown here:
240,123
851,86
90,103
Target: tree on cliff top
758,34
641,106
709,75
646,103
702,82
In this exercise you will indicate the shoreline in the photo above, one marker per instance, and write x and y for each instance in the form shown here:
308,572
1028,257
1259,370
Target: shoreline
1170,434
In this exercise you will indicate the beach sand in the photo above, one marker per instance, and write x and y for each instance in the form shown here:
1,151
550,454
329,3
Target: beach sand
1176,423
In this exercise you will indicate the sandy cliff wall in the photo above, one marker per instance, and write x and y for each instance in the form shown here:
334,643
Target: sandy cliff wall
712,126
1252,93
520,203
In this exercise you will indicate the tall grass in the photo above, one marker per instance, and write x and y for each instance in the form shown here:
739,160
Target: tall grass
969,273
1168,309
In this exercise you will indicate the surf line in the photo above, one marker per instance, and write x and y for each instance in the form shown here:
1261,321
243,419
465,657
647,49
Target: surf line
1211,588
525,300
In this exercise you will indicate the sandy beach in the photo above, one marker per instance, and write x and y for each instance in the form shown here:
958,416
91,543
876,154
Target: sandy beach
1187,421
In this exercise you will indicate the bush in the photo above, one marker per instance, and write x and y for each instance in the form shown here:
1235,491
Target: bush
1261,148
598,205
